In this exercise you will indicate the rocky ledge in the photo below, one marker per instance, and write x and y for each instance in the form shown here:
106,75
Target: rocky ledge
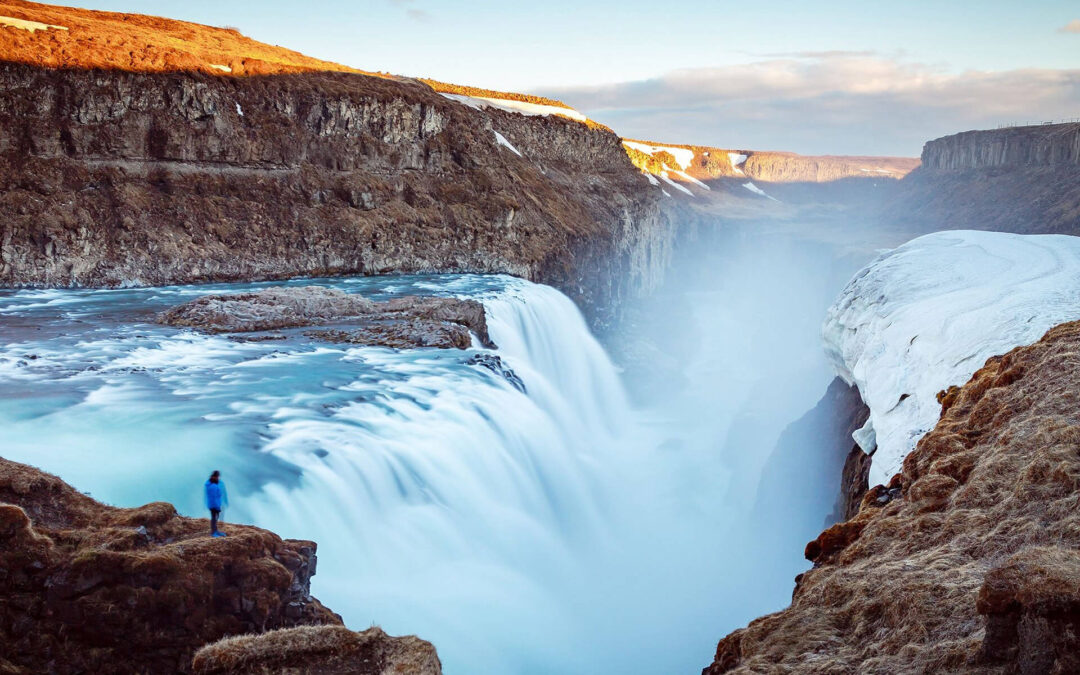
89,588
319,650
969,560
409,321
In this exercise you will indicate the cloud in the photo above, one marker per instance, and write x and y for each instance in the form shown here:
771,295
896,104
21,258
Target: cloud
1071,27
411,12
838,103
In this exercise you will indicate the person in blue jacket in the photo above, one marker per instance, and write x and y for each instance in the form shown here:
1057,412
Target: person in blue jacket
216,500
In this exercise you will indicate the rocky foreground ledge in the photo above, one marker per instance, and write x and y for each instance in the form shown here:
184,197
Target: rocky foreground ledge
969,560
89,588
410,321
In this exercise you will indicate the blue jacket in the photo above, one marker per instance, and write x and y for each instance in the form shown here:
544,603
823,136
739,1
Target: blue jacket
216,497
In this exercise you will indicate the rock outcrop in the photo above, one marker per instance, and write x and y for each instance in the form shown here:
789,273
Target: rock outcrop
969,561
154,175
318,650
89,588
409,321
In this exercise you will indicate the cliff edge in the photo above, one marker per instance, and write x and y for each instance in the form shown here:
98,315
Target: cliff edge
168,169
86,587
969,561
1018,179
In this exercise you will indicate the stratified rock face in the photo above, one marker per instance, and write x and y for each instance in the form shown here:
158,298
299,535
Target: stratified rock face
707,163
1045,145
1021,179
114,177
410,321
970,560
318,650
88,588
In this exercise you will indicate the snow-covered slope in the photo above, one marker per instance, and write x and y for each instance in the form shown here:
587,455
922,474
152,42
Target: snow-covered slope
510,105
928,314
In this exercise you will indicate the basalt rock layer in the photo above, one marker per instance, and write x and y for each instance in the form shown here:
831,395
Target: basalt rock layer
89,588
969,561
112,177
1020,179
409,321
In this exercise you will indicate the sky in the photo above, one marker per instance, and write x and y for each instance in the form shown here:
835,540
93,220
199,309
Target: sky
823,77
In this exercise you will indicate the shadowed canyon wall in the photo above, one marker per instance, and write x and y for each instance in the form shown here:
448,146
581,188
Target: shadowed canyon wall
967,561
1020,179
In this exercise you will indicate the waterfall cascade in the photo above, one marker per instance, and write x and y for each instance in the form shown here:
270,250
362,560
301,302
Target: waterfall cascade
521,532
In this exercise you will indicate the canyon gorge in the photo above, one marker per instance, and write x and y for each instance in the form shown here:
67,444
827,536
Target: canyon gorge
551,399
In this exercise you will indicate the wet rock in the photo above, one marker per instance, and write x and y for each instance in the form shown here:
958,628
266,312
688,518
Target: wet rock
401,323
403,334
495,364
268,309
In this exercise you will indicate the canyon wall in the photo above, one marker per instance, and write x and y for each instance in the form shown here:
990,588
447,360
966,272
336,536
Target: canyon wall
1020,179
708,163
138,150
120,178
1044,145
968,560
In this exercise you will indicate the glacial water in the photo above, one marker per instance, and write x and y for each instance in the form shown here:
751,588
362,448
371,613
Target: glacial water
555,530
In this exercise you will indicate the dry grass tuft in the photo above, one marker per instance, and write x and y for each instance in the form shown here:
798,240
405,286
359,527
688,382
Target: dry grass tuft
318,649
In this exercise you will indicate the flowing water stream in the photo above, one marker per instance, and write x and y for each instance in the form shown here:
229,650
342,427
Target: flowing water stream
552,530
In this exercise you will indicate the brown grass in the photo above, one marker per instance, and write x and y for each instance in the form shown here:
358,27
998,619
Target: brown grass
975,566
318,649
113,40
136,42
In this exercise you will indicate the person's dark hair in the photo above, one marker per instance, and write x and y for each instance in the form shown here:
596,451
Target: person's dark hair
214,476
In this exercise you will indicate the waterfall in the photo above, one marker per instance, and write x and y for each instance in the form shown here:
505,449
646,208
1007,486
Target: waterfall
445,502
536,531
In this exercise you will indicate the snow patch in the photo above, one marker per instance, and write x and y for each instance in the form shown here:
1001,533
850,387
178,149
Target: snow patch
683,156
510,105
687,177
737,160
501,140
758,191
31,26
239,110
928,314
666,193
664,177
652,179
218,66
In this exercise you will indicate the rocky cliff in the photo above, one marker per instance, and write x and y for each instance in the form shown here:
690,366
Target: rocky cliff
707,163
157,174
968,561
1020,179
1044,145
88,588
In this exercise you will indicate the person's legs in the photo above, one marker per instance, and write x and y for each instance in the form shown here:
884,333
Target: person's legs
213,520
